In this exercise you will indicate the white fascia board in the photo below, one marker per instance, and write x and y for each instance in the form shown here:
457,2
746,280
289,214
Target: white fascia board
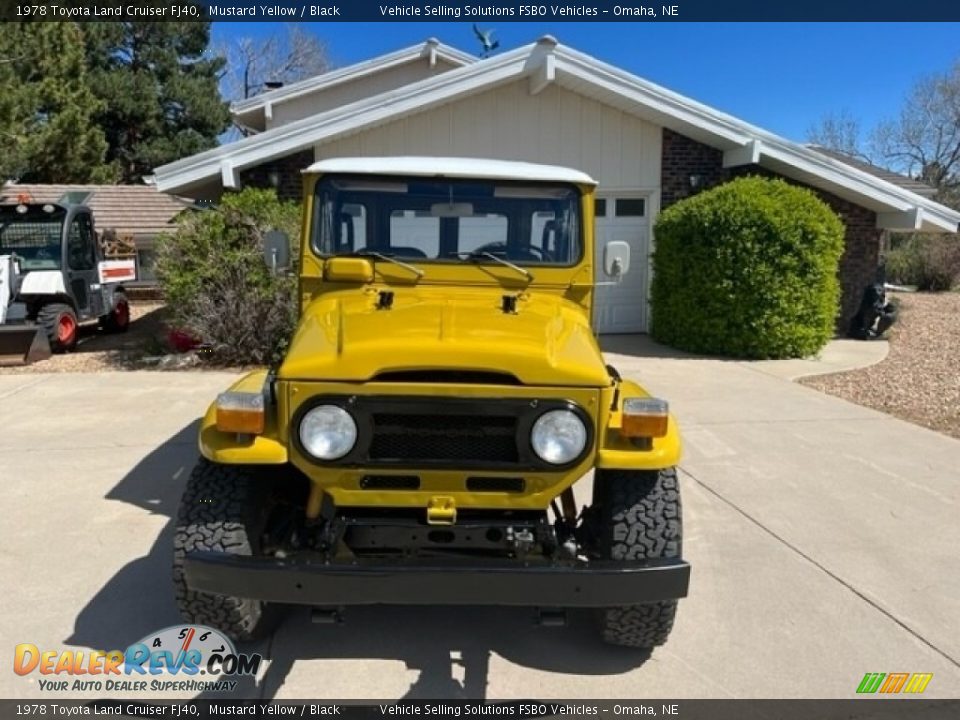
752,141
228,175
307,132
911,219
838,176
748,154
352,72
655,99
895,199
544,74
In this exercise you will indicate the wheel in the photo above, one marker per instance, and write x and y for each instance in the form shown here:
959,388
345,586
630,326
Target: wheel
222,509
59,321
118,319
638,517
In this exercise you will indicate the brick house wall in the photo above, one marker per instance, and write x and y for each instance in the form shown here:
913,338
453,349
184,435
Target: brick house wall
287,171
683,157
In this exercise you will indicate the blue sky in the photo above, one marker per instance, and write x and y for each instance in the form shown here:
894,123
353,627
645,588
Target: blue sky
780,76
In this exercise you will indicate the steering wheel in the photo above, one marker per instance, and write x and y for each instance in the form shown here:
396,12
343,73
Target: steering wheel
500,247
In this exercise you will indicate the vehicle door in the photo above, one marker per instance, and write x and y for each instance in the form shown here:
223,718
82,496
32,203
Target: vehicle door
83,281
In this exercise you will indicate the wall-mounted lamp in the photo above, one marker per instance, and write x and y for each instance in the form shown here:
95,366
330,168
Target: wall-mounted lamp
696,182
273,177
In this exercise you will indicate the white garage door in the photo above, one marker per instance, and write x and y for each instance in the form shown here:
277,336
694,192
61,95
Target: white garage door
622,308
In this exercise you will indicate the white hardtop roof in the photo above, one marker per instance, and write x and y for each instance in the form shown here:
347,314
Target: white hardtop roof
452,167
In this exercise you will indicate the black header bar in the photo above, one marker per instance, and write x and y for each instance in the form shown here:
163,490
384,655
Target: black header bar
499,11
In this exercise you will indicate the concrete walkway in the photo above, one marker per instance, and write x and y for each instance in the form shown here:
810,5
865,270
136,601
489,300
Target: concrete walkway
823,538
839,355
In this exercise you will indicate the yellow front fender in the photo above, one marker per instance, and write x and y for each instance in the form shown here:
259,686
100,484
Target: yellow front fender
233,449
618,452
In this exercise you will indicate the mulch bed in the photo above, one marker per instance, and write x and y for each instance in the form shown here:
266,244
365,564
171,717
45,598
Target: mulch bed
919,381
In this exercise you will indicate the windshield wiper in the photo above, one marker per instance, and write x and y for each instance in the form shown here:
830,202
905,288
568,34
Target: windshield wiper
490,256
380,256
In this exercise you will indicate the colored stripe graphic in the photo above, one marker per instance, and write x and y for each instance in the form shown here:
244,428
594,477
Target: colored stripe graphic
870,682
918,683
893,683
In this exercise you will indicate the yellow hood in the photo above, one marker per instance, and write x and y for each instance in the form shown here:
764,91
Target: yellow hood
344,336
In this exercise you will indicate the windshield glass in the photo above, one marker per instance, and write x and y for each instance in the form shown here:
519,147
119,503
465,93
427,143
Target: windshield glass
426,219
33,237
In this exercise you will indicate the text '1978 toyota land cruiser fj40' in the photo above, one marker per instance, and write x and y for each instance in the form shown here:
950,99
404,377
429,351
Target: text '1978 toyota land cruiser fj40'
441,396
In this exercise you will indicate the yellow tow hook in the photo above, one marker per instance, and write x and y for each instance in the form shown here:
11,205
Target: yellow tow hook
441,510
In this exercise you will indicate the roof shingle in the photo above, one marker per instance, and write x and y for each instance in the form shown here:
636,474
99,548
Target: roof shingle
138,210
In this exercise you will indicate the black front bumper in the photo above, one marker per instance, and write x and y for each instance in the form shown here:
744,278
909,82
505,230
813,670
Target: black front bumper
594,584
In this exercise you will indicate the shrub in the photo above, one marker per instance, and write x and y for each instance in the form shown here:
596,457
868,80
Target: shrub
747,269
217,285
927,262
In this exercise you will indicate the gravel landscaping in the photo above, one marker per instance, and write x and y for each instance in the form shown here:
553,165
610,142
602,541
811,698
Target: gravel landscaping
919,381
98,351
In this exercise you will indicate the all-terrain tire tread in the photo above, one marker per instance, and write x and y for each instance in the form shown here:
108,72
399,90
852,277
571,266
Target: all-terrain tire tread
48,318
217,512
641,520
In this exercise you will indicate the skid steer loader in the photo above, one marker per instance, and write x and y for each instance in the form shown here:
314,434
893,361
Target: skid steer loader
53,278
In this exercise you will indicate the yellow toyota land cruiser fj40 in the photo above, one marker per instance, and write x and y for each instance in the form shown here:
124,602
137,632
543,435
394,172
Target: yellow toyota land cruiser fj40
441,401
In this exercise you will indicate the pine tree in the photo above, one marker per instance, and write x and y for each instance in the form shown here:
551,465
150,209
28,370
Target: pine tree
159,86
47,107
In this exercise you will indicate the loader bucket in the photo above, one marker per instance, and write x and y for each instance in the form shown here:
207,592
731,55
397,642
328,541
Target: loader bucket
23,344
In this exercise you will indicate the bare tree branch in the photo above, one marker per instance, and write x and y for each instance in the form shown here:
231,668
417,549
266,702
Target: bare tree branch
924,140
291,55
840,132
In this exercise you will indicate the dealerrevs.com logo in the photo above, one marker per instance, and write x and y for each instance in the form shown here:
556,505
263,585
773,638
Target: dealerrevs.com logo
186,658
893,683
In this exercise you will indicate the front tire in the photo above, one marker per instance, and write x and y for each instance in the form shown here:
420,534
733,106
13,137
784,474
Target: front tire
222,510
59,322
639,518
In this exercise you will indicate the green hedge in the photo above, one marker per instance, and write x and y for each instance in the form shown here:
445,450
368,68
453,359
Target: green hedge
217,285
747,269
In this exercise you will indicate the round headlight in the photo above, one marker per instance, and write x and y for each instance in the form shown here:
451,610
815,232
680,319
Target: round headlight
558,436
328,432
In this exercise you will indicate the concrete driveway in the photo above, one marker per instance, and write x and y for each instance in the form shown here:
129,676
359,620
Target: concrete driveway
823,536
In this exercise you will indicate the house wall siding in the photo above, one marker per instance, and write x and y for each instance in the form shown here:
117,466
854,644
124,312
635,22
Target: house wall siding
683,157
555,126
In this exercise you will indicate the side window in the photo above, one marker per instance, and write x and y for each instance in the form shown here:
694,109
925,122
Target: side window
543,230
80,248
353,227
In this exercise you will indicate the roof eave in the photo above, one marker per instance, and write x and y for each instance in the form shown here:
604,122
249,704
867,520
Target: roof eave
260,105
228,160
897,208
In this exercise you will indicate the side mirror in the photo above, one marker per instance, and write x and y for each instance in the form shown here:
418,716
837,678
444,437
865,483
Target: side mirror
616,258
276,250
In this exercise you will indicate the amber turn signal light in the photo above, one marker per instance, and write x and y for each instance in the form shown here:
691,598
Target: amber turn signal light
240,412
644,417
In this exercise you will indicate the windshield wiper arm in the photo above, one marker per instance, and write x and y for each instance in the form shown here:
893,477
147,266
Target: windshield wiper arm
380,256
523,271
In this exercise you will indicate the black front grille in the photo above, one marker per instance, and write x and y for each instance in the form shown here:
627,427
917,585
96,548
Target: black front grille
460,433
401,437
